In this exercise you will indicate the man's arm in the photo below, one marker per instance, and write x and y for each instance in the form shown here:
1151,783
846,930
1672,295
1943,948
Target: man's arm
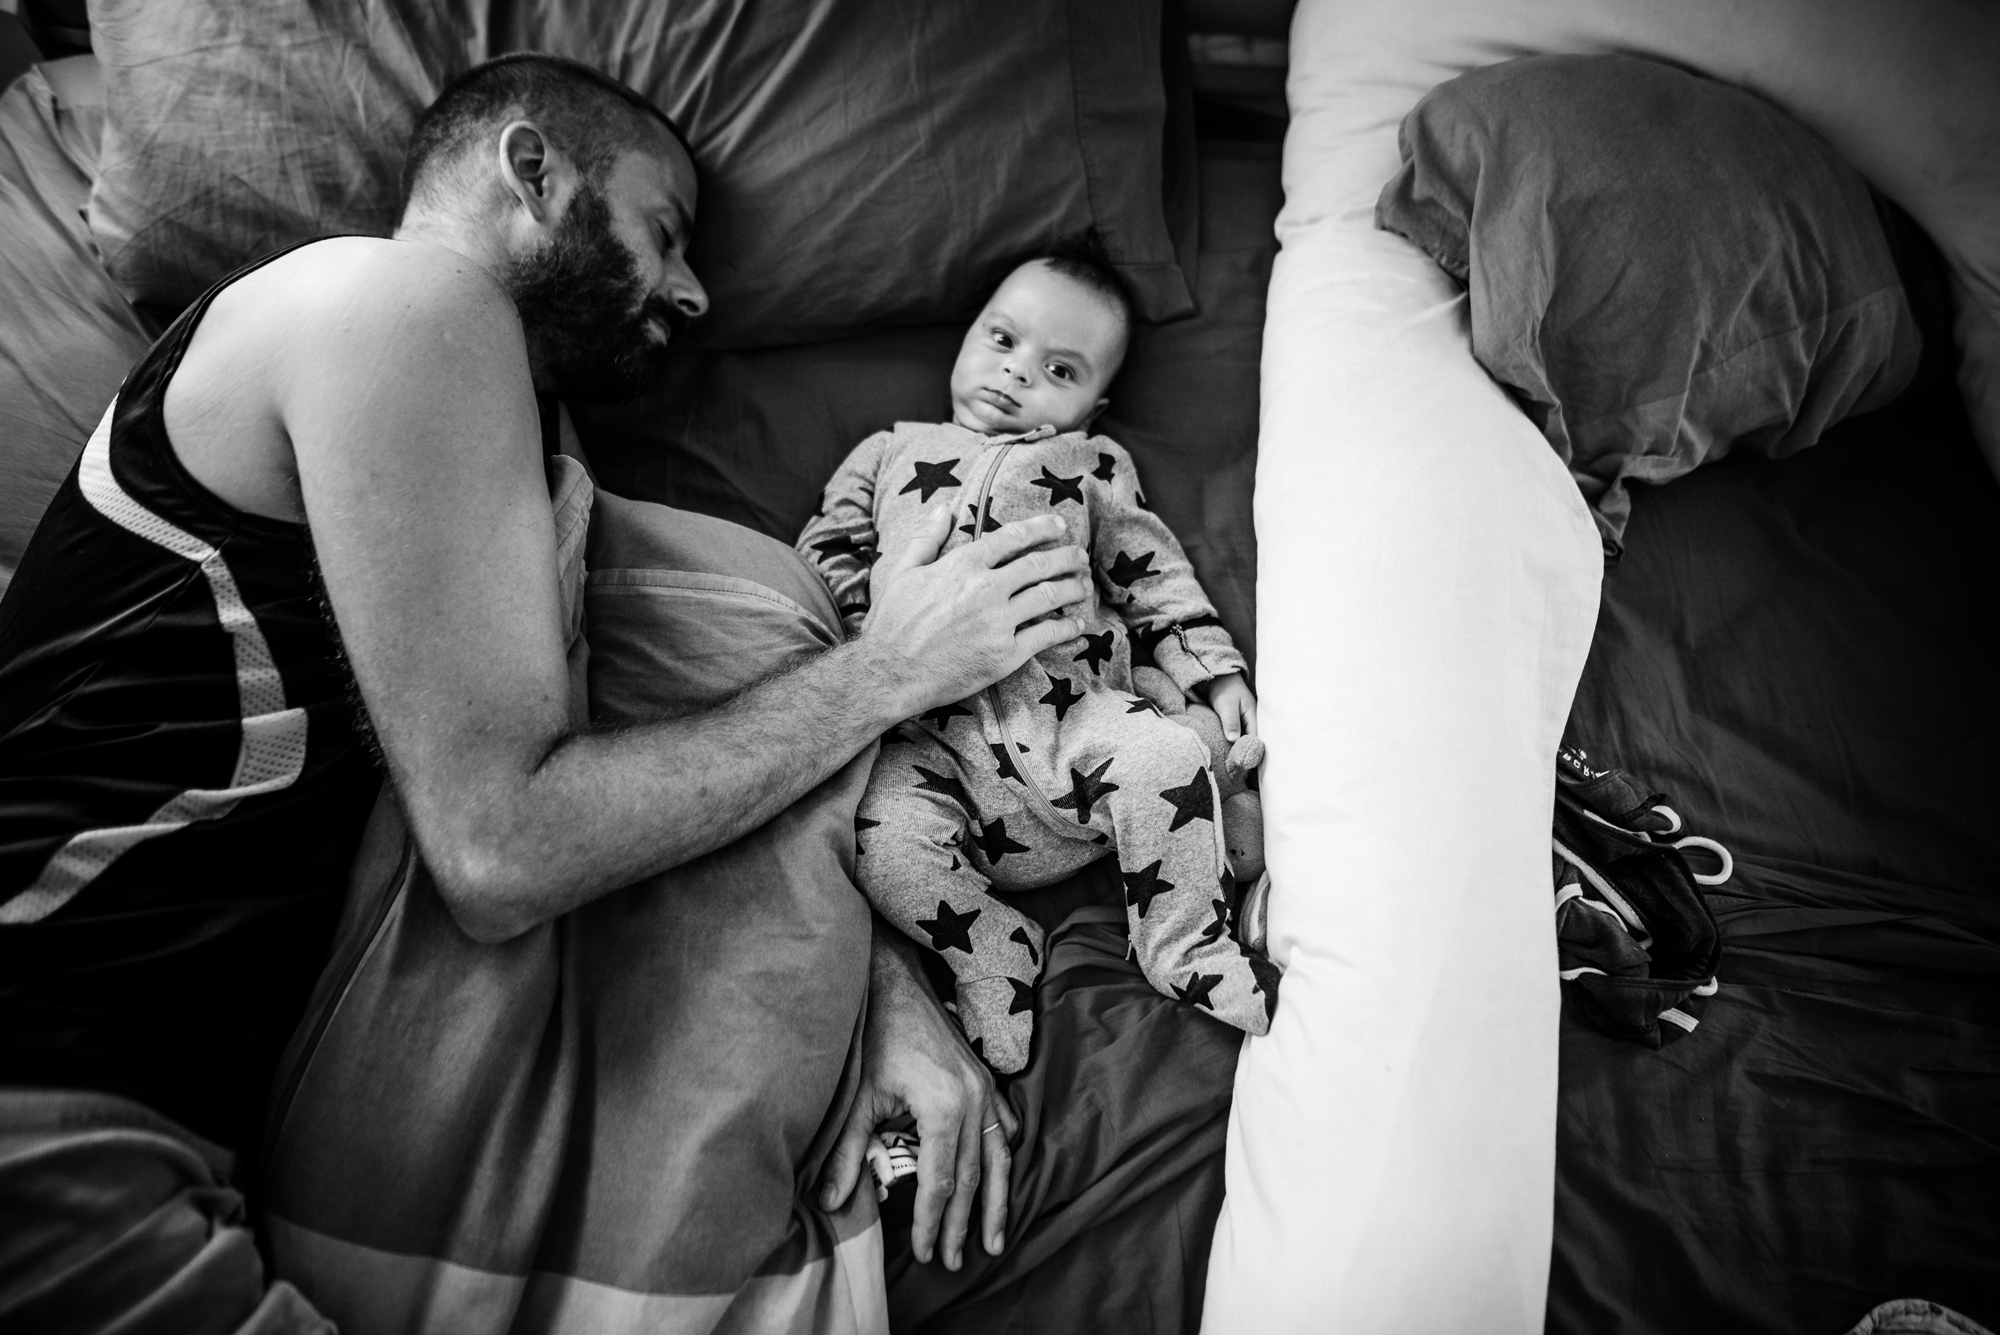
412,423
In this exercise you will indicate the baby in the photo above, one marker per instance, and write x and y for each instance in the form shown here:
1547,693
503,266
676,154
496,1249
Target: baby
1062,761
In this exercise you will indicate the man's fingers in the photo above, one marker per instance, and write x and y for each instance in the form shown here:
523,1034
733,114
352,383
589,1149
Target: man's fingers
965,1188
993,1193
1031,640
843,1165
1041,599
1010,540
937,1172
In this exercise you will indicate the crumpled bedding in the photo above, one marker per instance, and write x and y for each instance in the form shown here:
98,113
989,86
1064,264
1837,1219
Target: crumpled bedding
67,335
605,1124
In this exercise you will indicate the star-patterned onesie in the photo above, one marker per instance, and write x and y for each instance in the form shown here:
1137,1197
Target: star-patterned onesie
1060,762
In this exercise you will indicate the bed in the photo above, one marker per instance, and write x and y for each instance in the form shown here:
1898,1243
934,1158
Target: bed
1420,1134
1794,651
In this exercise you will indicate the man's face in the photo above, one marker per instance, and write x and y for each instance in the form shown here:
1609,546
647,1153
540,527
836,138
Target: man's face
602,298
1041,353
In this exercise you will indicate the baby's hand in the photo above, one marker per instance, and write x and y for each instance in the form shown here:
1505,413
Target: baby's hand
1229,696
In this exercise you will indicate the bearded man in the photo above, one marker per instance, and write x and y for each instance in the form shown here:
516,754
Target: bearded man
325,485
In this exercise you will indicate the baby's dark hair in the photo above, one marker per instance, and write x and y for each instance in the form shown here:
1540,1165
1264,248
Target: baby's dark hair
1081,257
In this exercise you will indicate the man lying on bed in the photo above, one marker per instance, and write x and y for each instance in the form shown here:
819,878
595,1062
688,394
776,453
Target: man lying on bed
351,428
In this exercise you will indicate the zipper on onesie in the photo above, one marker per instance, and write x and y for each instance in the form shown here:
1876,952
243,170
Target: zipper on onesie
981,511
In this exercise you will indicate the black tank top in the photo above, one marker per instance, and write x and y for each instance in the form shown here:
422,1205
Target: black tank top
183,779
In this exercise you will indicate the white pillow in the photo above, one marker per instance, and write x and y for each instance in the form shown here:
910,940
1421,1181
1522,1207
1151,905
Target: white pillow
1427,591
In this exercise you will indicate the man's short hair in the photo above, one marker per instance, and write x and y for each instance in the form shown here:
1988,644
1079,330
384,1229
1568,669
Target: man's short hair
1081,257
587,114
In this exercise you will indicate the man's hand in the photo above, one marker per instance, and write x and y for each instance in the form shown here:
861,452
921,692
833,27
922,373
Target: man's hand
1229,696
915,1060
947,628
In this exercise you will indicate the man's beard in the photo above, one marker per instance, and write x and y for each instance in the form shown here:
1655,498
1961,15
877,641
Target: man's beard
586,313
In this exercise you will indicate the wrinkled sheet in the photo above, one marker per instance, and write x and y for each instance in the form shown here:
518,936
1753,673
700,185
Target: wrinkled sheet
114,1219
1802,655
67,335
1117,1171
604,1124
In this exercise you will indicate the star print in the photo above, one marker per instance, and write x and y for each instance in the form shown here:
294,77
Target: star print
1216,930
1267,975
993,841
1021,934
1024,997
836,547
1005,765
1107,467
1142,705
943,783
1061,695
971,513
1060,488
1126,571
1086,791
950,931
943,714
1144,886
930,478
862,823
1193,800
1096,653
1199,985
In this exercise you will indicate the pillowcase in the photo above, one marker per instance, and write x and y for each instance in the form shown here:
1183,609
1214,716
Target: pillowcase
861,163
1660,266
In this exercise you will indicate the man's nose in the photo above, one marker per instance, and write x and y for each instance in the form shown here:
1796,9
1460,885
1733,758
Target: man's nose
684,290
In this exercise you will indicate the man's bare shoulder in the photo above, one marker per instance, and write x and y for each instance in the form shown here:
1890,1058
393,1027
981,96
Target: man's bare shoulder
371,288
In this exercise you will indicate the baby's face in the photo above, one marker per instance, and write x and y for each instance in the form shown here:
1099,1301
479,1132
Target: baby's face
1041,353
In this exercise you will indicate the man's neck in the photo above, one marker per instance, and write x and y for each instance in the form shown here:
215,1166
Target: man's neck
456,234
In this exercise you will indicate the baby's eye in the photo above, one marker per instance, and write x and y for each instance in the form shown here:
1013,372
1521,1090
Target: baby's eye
1061,372
1003,338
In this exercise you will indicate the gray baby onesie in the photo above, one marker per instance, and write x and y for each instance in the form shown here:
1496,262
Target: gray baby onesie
1058,763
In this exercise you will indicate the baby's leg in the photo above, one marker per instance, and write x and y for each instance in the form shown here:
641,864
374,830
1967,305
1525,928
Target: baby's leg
912,863
1164,818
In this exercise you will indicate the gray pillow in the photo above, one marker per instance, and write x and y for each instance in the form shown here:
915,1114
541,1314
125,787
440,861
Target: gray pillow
1661,267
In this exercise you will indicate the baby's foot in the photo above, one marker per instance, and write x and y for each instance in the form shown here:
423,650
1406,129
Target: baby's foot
998,1016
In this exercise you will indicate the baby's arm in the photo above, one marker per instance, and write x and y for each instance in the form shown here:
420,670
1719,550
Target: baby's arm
1145,576
841,541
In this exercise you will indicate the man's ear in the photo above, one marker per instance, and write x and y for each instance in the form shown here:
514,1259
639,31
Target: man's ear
525,168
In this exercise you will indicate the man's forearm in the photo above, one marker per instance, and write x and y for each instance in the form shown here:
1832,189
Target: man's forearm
606,809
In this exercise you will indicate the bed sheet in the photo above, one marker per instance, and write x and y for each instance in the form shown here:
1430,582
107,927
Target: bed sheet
1802,655
67,336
